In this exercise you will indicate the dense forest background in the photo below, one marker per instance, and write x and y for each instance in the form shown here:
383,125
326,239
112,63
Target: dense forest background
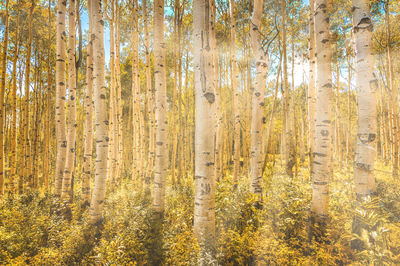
187,132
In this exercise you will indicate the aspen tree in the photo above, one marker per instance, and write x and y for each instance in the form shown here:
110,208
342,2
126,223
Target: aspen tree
135,92
2,107
118,91
150,104
174,98
322,162
271,118
60,97
87,159
219,139
348,138
71,134
21,158
113,129
383,127
161,158
247,111
257,104
101,120
27,172
394,97
46,161
311,88
234,80
287,123
13,163
293,111
366,85
337,113
181,162
204,205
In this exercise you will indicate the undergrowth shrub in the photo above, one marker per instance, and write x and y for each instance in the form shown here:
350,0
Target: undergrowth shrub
33,228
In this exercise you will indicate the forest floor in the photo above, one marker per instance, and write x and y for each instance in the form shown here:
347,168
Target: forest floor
33,229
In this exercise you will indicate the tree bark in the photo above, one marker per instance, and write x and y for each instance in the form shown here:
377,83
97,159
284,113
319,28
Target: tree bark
150,104
366,85
161,158
66,193
311,88
204,206
60,98
27,172
2,106
87,159
136,93
101,120
322,163
235,93
287,123
257,105
47,126
394,97
14,106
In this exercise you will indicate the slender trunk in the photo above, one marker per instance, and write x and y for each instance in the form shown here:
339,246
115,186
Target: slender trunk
383,125
66,193
161,158
135,93
338,115
26,138
21,159
288,131
257,106
118,127
13,163
204,207
348,112
234,79
322,163
311,89
272,115
395,98
113,129
150,104
174,99
87,156
180,100
47,127
60,97
2,106
101,120
366,85
293,109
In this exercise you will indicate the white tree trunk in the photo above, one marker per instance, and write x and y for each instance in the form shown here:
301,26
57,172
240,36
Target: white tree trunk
135,93
150,104
87,156
2,106
235,89
322,163
69,165
311,87
366,85
161,158
204,205
257,109
60,98
101,119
